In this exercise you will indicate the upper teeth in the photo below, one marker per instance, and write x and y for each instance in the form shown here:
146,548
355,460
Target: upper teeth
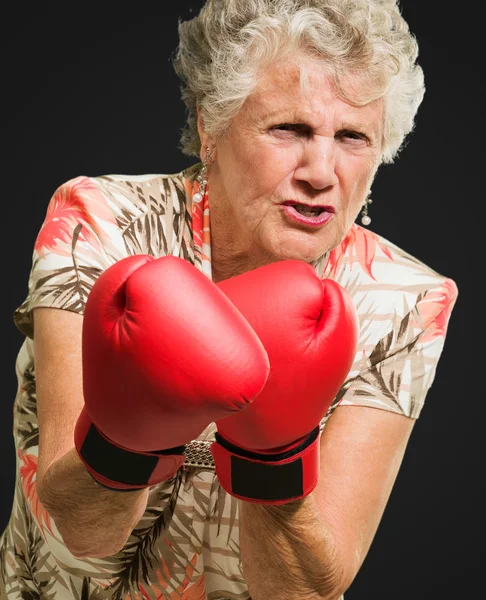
308,210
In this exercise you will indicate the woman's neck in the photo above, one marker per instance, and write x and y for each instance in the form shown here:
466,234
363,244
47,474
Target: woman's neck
232,253
229,261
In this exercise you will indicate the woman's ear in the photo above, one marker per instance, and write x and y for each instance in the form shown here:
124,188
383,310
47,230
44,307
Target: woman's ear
206,140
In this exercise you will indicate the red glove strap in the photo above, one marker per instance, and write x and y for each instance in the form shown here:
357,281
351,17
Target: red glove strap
117,468
268,478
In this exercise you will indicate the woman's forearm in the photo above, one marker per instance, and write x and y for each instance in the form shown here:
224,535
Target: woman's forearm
287,553
92,520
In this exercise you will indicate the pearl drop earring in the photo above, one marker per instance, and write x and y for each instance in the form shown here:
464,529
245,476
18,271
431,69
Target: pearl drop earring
202,178
365,219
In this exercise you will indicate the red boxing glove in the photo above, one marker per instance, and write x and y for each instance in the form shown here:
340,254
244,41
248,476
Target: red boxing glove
165,353
269,452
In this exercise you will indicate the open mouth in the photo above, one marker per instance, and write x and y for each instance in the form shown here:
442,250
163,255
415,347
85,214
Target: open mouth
309,211
304,215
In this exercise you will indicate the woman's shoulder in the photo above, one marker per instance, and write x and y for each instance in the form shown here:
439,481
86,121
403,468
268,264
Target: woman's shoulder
133,186
158,187
112,203
91,222
385,280
102,208
371,260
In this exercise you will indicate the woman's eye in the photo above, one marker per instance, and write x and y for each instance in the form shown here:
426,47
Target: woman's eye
287,127
352,135
304,130
296,128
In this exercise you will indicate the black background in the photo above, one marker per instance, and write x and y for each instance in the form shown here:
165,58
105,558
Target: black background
88,89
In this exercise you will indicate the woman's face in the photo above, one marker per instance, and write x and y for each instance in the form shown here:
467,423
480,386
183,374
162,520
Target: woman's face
293,171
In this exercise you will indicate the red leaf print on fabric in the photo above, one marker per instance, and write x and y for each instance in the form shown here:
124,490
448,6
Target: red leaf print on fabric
28,471
435,310
75,203
358,246
196,591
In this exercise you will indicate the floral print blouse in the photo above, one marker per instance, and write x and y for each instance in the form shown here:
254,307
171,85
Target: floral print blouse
186,546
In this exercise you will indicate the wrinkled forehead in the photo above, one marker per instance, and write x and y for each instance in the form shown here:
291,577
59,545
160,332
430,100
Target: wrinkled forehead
309,89
296,81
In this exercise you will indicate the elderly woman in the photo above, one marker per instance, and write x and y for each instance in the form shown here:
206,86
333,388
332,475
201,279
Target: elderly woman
292,107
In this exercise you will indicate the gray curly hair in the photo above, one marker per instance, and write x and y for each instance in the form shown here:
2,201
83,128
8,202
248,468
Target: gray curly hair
222,49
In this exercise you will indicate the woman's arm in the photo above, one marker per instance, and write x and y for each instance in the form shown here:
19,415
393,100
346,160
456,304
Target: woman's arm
92,520
313,549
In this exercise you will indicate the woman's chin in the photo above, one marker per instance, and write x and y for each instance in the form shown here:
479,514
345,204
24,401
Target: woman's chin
307,252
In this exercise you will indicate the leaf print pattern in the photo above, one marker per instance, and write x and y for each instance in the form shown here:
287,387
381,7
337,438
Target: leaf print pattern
360,246
434,311
72,206
27,471
186,545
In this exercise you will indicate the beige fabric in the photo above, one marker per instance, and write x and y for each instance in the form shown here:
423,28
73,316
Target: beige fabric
187,544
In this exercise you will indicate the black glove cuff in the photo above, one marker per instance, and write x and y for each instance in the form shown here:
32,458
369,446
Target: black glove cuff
310,439
118,464
267,478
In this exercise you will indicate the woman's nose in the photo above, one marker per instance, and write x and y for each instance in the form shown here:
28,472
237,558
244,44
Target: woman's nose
318,164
